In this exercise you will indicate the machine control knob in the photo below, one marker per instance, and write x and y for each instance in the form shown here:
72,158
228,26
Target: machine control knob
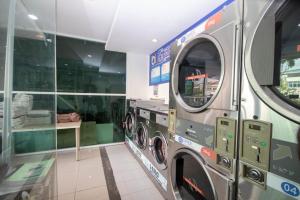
226,162
255,175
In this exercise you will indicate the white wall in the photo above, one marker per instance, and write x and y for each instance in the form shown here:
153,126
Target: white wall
137,79
137,76
163,92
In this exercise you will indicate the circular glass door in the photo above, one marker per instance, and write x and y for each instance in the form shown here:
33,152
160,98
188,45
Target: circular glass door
190,179
141,136
288,49
159,146
197,73
129,124
282,90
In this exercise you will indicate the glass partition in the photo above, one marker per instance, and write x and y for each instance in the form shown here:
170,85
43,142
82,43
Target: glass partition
85,67
34,62
4,12
101,119
30,101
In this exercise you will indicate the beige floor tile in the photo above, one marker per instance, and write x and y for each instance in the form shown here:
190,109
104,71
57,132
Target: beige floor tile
70,196
66,183
99,193
89,177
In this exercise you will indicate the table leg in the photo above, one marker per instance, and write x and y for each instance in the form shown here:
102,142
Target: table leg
77,132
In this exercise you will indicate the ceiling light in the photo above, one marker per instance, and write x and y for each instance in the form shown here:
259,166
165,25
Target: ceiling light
154,40
89,55
298,25
119,72
40,36
33,17
66,64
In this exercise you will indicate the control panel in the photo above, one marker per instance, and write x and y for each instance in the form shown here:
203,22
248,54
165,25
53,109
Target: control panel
224,142
256,143
162,120
172,122
145,114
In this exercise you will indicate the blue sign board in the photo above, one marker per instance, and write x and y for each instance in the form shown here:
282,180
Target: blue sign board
163,55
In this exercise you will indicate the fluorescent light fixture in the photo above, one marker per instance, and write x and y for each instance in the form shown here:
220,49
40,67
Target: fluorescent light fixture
89,55
298,25
33,17
154,40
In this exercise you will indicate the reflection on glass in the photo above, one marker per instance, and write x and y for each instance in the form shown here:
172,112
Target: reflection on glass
34,63
191,179
288,23
34,141
85,67
30,176
199,74
4,9
32,111
101,119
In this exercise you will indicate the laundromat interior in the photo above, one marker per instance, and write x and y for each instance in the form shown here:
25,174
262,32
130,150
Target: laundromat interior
149,100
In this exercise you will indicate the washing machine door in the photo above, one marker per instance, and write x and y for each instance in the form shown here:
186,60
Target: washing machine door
272,55
159,150
141,137
197,73
129,124
190,178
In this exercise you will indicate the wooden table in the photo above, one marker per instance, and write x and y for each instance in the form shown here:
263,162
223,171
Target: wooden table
76,126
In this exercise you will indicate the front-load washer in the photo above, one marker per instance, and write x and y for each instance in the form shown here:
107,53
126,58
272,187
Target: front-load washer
140,144
129,123
158,140
203,115
270,101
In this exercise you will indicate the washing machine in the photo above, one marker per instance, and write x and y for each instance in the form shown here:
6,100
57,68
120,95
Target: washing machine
269,166
129,123
204,109
141,137
158,140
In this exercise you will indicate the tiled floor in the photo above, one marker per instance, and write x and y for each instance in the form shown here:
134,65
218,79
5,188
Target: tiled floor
85,180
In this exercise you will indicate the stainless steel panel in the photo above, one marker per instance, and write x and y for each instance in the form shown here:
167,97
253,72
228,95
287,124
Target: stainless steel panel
162,120
144,113
260,103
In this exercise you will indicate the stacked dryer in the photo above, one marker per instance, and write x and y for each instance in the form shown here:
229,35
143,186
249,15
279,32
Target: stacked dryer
270,101
203,115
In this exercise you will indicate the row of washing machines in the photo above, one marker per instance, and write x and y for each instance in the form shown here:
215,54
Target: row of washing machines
233,122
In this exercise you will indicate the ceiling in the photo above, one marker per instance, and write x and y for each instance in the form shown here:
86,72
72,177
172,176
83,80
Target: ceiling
124,25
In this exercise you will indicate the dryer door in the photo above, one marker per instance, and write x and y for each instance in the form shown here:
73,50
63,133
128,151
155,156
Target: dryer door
272,56
198,73
191,179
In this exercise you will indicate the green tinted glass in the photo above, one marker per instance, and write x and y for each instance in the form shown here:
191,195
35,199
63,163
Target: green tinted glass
34,141
4,8
85,67
34,63
32,111
101,119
